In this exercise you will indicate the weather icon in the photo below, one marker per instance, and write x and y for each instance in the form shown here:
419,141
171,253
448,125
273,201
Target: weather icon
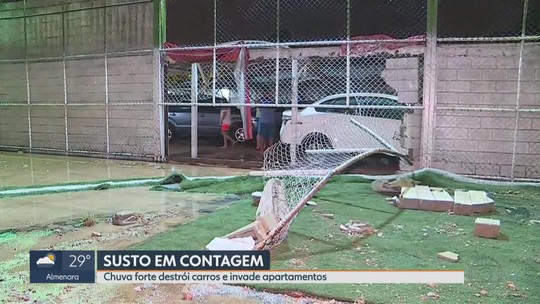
46,260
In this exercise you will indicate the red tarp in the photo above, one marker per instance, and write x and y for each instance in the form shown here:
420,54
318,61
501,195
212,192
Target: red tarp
229,54
380,44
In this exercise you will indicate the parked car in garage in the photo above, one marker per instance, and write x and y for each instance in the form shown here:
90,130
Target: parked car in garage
323,128
208,121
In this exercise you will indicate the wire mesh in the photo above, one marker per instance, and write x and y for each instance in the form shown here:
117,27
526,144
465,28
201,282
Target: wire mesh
399,19
82,78
324,139
483,18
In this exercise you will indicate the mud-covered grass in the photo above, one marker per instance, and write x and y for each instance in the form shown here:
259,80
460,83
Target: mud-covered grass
405,240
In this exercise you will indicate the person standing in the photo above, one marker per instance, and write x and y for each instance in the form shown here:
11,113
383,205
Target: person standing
258,125
267,122
225,122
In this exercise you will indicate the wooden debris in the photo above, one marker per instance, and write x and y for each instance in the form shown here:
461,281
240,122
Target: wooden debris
124,218
96,234
254,230
328,215
357,227
448,256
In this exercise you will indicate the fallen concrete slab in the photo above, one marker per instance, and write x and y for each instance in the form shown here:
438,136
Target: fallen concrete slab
235,244
470,202
487,228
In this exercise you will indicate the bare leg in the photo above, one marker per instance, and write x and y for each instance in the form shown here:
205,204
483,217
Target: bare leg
259,142
233,142
224,139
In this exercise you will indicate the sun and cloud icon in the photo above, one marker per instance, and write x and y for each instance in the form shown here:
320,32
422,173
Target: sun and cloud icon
47,260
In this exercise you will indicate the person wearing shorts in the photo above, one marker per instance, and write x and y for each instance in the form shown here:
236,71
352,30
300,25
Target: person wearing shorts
267,123
226,127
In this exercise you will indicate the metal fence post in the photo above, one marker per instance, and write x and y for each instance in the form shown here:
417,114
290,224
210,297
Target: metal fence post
194,110
65,81
518,91
106,66
294,109
429,88
158,95
28,97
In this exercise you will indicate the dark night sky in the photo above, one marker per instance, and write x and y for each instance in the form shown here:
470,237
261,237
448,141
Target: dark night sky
191,22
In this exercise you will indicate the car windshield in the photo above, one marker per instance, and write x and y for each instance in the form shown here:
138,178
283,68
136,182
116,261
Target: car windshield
385,107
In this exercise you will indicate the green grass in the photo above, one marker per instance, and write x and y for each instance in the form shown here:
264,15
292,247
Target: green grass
90,186
409,240
236,185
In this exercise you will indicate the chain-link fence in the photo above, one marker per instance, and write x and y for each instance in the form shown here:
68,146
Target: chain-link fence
488,89
464,75
78,77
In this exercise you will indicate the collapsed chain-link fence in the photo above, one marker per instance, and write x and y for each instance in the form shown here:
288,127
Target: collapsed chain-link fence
77,77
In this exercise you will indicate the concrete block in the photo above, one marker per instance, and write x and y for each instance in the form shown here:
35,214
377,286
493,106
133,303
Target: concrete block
526,74
487,228
446,121
445,74
447,98
530,87
448,256
472,202
506,86
440,200
494,74
480,62
458,86
408,198
498,99
479,134
467,122
470,74
508,63
529,136
235,244
470,98
408,97
519,171
451,133
483,86
425,198
531,62
459,62
500,158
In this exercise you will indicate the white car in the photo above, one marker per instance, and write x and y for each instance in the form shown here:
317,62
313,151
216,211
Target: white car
366,124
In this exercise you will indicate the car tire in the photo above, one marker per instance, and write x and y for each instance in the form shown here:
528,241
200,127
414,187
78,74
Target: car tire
313,141
238,132
170,133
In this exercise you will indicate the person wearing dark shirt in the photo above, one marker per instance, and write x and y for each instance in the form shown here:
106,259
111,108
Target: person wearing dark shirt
267,121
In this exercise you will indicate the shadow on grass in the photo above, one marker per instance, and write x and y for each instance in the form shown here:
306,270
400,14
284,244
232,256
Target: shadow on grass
285,254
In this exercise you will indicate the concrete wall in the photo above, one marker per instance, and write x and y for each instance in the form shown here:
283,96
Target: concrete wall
404,75
482,142
77,112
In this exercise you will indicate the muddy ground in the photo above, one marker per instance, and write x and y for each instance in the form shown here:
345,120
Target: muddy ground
57,222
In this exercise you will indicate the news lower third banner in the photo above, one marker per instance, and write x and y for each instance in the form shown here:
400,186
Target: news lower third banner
234,267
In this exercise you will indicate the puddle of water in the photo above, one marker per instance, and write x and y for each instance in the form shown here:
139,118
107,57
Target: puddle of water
29,211
31,169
